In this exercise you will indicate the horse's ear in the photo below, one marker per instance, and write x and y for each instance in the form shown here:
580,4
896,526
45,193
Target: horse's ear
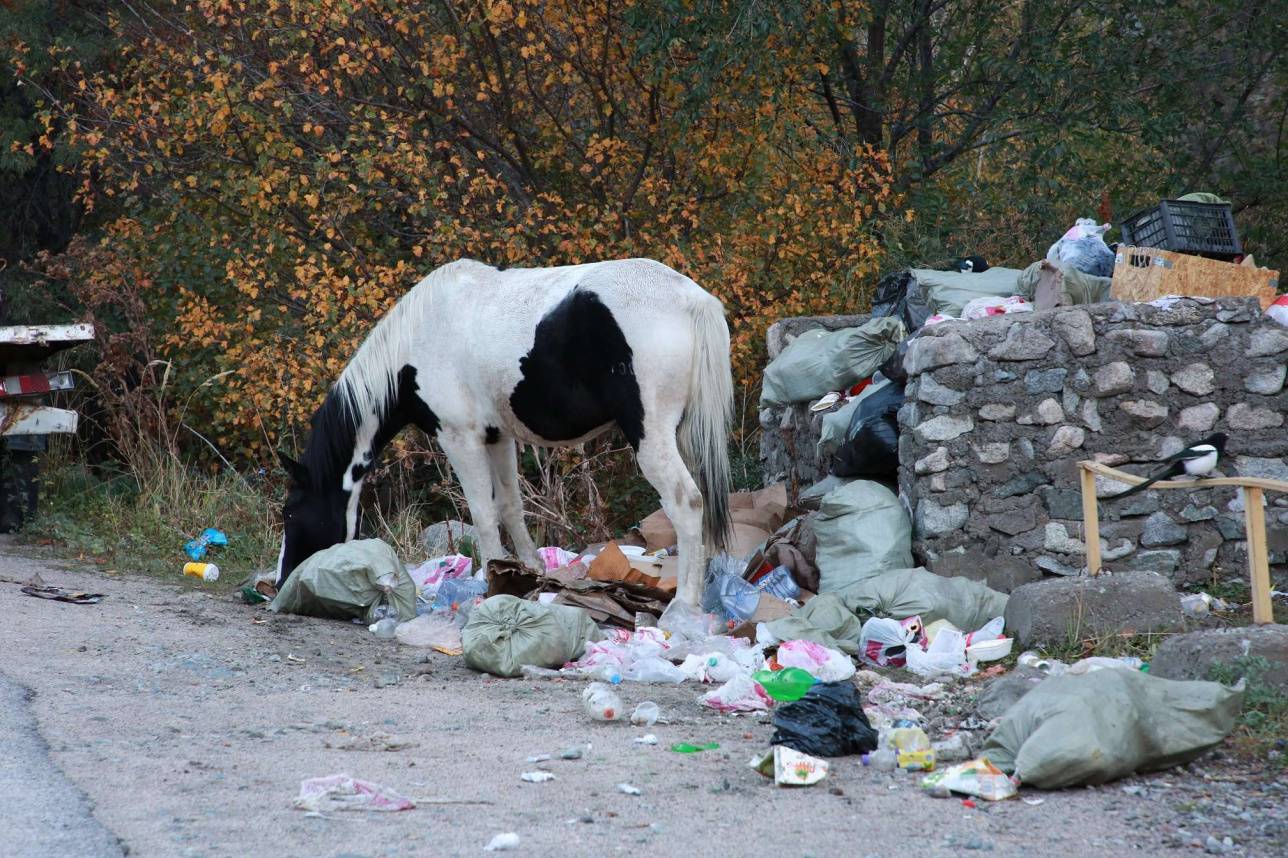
294,469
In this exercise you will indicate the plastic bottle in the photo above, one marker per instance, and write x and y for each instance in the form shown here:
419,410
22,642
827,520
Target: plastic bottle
455,593
990,631
780,583
646,714
912,748
883,760
788,684
385,628
601,702
1196,605
652,669
205,571
722,668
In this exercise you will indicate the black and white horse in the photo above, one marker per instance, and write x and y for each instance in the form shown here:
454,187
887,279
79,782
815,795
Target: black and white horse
480,358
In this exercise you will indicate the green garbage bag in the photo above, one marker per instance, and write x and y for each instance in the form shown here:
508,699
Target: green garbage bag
820,361
1094,728
825,620
948,292
505,632
349,581
917,592
862,530
1076,287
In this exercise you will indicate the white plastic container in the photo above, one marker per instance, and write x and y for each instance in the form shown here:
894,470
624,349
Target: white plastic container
990,650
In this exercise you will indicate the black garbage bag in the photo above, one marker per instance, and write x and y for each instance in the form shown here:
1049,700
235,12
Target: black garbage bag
827,722
899,294
872,451
893,366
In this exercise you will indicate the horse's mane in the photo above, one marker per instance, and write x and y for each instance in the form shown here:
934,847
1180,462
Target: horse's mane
369,383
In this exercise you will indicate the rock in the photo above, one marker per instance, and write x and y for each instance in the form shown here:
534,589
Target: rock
1266,381
1214,335
1061,503
1199,418
935,520
1267,341
1162,560
1197,379
1023,342
1145,414
1091,415
1075,328
1070,401
1168,447
1113,378
929,390
1193,655
1257,466
993,453
1157,382
1196,513
1065,440
444,537
1000,572
1045,380
1142,342
1246,417
1160,531
1057,539
1014,522
1060,610
1004,692
1047,413
1021,484
925,353
943,428
933,463
1055,567
1002,376
997,411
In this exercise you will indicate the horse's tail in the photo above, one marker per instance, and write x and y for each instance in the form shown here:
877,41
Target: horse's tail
704,429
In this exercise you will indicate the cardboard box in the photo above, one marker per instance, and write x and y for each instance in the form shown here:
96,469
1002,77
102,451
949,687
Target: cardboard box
1145,273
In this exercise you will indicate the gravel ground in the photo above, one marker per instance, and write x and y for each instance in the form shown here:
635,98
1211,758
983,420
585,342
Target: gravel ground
186,721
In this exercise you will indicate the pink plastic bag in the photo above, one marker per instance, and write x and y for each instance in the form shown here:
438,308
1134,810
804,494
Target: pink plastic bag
342,792
435,571
1279,310
823,663
740,694
555,558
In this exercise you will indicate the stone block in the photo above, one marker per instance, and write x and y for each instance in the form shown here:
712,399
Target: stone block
933,463
930,352
1047,413
1023,342
1002,572
1247,417
1075,328
1144,413
1161,530
1157,382
1142,342
1197,379
1199,418
1266,381
1066,610
1045,380
1113,378
931,391
997,411
1267,341
992,453
1065,440
943,428
932,519
1021,484
1194,655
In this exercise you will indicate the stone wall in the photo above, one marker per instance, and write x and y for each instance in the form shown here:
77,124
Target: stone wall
999,411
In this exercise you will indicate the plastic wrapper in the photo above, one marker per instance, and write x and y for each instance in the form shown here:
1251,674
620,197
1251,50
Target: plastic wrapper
823,663
740,694
884,642
790,768
342,792
977,777
827,722
436,631
945,655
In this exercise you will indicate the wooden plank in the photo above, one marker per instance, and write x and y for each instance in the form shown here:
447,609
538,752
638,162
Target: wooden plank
1091,521
1254,519
1146,273
36,420
1134,480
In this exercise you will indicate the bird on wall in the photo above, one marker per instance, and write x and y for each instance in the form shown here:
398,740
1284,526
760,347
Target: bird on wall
1197,460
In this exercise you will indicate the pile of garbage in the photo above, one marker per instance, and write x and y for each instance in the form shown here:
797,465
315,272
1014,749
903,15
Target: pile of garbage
822,625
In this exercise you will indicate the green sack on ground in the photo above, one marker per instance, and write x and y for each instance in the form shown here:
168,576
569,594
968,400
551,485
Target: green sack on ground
1076,287
1094,728
948,292
349,581
917,592
862,530
825,620
505,632
819,361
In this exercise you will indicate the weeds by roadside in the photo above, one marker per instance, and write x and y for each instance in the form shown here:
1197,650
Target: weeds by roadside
1263,725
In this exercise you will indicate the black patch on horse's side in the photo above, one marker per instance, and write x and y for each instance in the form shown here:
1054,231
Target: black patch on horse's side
579,374
492,435
356,472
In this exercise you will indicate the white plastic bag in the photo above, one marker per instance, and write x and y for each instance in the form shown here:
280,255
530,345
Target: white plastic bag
436,631
990,631
995,305
883,642
740,694
1279,310
823,663
945,655
652,669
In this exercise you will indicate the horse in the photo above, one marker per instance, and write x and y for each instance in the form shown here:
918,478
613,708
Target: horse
482,359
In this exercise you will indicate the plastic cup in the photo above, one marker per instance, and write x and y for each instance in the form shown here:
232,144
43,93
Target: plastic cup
205,571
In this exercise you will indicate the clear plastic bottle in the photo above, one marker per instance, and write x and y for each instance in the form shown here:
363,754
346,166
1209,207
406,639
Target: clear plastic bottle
731,598
601,702
454,594
385,628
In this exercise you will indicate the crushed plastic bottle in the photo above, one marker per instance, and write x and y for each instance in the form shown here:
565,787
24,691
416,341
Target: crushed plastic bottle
786,685
458,595
646,714
780,583
601,702
687,748
883,760
385,628
727,594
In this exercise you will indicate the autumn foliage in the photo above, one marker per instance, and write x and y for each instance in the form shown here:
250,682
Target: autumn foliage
278,172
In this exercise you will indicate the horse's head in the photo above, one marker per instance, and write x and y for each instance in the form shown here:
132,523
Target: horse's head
313,518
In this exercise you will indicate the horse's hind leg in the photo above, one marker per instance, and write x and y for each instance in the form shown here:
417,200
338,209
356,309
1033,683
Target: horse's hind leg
505,478
469,459
659,459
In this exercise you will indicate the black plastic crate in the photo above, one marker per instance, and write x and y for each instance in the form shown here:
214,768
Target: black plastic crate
1182,226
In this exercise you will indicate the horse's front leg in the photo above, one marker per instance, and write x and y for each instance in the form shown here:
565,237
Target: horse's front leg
469,458
505,477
